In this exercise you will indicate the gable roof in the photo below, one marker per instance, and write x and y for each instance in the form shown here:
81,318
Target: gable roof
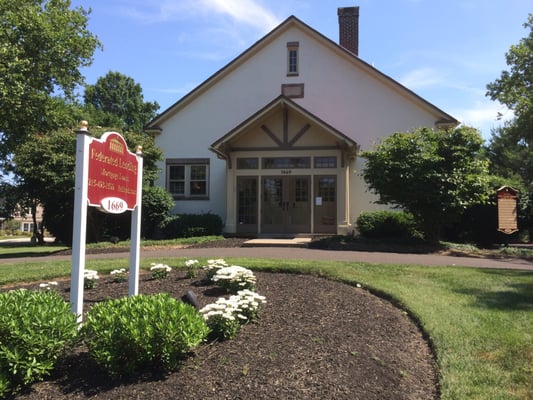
281,102
292,21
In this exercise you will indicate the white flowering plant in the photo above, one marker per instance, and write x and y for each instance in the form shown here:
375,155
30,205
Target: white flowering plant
221,319
48,285
160,271
234,278
89,278
225,316
192,268
213,266
248,303
119,275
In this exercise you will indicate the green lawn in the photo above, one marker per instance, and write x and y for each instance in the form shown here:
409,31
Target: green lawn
16,250
479,322
25,249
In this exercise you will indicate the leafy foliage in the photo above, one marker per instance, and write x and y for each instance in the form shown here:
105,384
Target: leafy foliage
157,203
189,225
434,175
44,173
35,329
131,334
386,224
510,147
120,100
43,45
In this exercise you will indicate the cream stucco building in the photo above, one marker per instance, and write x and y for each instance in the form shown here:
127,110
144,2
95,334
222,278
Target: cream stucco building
271,141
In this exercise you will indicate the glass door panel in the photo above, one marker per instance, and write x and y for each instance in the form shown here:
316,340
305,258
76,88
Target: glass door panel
247,204
286,204
273,206
325,204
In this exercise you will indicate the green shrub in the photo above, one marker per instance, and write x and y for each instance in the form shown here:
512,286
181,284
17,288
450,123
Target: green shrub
386,224
156,204
189,225
4,384
129,335
36,327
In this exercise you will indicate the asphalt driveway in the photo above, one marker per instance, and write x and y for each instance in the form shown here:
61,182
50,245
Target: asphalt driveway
282,253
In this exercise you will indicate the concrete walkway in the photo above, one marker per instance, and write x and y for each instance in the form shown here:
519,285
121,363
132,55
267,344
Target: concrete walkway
298,253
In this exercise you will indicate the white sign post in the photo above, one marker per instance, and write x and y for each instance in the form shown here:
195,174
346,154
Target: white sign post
79,235
133,289
109,177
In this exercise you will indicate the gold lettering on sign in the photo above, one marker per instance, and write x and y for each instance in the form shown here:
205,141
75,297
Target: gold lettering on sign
507,211
116,146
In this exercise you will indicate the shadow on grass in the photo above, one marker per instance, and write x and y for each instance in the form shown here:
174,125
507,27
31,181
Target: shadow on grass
516,295
23,249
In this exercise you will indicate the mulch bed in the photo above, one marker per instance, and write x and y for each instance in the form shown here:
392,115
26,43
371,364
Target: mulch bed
315,339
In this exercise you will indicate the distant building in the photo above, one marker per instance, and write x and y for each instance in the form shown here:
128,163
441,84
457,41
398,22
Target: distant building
271,141
21,221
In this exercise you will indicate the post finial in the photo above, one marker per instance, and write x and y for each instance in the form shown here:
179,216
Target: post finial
84,127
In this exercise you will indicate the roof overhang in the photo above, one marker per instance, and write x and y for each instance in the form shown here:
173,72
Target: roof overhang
155,124
222,147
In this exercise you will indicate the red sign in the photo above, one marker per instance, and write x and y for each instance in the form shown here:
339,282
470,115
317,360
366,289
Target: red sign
113,173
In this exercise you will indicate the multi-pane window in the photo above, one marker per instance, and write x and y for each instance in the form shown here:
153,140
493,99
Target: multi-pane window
286,162
188,178
327,188
301,189
27,227
292,58
325,162
247,163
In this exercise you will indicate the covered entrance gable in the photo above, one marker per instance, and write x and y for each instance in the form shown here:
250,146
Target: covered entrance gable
286,172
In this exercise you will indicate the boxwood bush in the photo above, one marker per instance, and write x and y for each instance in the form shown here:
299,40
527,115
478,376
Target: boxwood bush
189,225
36,327
386,224
130,335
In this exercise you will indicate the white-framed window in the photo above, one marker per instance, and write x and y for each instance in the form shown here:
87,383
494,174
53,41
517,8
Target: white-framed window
27,227
188,178
292,59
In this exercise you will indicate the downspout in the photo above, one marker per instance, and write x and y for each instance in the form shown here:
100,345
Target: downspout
347,192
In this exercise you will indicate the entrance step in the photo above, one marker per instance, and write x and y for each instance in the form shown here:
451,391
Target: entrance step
278,242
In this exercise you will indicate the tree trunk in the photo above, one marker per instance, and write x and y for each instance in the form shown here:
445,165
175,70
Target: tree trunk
38,234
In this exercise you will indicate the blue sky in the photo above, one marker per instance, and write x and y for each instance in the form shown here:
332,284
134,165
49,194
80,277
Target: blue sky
444,50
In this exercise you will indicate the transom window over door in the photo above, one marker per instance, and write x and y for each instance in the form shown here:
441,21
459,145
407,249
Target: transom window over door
286,162
188,178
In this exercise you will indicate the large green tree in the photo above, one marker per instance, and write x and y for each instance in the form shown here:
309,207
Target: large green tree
118,100
433,174
43,45
510,148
